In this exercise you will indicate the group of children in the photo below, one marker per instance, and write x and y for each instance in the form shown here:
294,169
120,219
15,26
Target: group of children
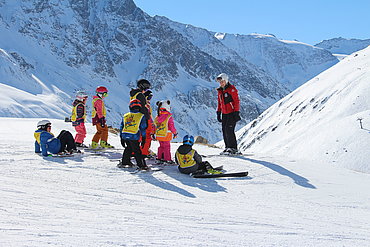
64,143
138,128
137,131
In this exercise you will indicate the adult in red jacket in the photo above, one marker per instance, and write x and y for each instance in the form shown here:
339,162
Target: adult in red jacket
228,112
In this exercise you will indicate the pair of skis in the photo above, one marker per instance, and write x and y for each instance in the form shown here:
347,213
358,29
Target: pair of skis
221,175
155,168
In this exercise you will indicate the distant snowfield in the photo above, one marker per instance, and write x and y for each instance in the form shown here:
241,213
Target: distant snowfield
87,201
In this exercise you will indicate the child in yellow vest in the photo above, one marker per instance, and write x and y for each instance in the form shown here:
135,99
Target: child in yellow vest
133,127
78,118
189,161
164,129
98,119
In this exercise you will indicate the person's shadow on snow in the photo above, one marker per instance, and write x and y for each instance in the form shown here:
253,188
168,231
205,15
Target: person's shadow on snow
206,184
149,178
301,181
209,185
62,160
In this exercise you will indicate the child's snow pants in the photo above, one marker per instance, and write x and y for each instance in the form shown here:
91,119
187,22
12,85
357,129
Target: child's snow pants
164,150
81,133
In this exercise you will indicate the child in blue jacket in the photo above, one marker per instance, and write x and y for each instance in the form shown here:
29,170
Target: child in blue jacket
46,143
133,126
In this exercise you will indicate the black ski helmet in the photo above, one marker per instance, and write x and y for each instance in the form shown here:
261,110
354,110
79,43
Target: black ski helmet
143,84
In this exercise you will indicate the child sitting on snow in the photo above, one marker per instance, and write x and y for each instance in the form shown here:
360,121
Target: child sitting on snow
46,142
190,161
164,129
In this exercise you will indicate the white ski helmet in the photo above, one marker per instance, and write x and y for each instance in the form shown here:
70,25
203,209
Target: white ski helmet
43,124
223,76
81,95
165,104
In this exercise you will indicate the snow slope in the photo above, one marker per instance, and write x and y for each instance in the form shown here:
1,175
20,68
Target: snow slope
87,201
319,120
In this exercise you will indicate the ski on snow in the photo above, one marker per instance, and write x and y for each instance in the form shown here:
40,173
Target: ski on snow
226,155
231,174
151,169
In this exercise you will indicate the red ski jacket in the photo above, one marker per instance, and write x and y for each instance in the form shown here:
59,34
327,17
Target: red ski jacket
228,99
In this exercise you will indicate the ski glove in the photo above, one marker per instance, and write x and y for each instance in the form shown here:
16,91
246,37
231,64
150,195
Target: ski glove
174,135
102,122
237,116
219,116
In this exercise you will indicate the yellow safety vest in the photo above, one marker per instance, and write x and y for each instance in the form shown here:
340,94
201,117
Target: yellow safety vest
186,160
94,110
37,136
74,113
131,122
161,129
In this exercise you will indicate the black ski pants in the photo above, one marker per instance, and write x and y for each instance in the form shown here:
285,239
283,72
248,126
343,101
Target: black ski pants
133,149
228,130
201,167
67,141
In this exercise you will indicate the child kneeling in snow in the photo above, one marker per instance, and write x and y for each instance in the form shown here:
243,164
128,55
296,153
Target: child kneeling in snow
189,161
164,128
46,142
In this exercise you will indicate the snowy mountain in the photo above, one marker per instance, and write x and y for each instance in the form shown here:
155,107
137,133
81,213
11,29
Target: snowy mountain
320,120
291,63
50,49
344,46
87,201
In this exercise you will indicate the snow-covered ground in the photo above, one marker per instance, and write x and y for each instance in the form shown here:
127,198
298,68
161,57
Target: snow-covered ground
87,201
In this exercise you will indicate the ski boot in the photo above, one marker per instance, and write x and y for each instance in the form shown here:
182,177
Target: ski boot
94,145
105,144
234,151
121,165
227,151
213,171
210,170
81,145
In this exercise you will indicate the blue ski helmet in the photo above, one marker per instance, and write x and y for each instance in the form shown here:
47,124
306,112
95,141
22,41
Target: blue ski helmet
188,140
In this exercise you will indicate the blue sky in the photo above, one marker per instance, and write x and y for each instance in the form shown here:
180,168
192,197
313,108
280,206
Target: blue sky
307,21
